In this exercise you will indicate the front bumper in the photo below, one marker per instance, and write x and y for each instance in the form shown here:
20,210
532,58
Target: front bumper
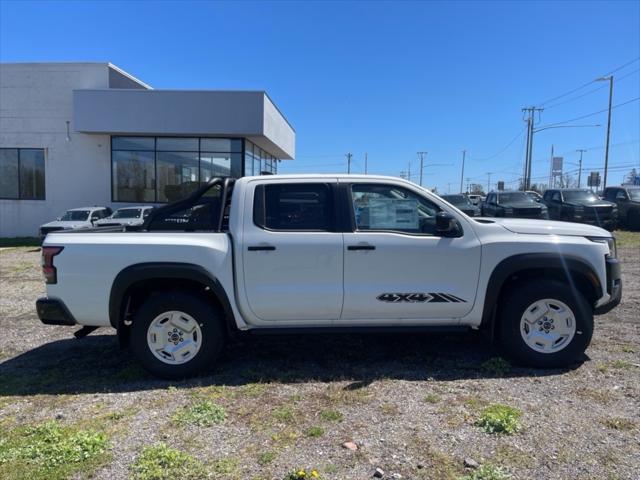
614,287
54,312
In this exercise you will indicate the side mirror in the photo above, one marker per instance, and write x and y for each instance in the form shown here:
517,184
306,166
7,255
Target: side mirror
447,225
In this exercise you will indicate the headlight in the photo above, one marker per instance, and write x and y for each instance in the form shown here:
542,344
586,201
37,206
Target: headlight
610,242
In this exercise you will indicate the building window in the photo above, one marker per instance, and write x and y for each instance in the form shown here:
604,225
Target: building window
257,161
22,173
165,169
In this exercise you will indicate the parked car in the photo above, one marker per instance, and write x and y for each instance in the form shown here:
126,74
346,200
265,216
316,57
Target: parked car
126,216
580,205
475,199
513,204
462,202
74,219
300,253
534,195
628,201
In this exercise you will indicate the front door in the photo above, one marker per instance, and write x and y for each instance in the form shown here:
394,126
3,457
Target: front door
292,253
397,267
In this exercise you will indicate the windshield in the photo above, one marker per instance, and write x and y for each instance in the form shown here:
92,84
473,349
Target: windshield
127,213
634,193
515,197
456,199
580,196
75,216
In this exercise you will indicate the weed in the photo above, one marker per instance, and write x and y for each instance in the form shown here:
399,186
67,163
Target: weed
628,349
266,457
159,462
496,366
331,415
315,432
621,364
225,466
487,472
432,398
618,423
602,367
284,414
499,418
203,414
50,450
302,474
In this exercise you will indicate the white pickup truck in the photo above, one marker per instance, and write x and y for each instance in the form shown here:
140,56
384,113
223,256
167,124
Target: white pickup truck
328,252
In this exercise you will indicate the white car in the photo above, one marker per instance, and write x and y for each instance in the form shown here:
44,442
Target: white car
296,253
126,216
74,219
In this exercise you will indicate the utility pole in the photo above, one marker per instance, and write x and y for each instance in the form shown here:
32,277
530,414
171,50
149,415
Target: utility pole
365,163
606,148
349,155
531,111
464,154
421,156
488,182
468,183
581,150
550,167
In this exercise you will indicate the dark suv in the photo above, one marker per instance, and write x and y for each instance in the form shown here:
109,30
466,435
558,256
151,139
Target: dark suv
462,202
513,204
580,205
628,201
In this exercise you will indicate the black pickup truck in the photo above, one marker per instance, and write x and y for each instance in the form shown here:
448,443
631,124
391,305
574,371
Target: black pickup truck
580,205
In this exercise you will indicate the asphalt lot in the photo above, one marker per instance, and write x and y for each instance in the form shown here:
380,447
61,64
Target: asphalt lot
411,403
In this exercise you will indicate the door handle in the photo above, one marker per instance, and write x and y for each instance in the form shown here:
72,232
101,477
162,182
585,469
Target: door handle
361,247
260,248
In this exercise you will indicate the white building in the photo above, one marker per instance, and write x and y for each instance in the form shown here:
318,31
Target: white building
83,134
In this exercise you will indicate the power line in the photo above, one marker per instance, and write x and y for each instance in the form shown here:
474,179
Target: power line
588,83
592,114
501,150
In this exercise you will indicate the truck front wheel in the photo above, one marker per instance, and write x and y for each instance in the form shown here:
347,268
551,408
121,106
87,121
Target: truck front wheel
545,324
176,335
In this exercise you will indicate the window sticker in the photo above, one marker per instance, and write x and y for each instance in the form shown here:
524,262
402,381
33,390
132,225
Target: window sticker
393,214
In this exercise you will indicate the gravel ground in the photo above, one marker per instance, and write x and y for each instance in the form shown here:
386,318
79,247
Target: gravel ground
410,402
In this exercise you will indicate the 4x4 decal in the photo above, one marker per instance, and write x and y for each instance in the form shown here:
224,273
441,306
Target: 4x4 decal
419,298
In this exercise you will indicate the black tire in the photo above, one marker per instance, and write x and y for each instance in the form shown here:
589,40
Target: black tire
206,315
515,305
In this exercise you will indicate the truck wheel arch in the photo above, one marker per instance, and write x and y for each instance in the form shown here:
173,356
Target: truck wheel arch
573,270
164,272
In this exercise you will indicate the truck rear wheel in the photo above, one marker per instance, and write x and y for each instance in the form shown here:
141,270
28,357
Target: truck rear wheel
545,324
176,335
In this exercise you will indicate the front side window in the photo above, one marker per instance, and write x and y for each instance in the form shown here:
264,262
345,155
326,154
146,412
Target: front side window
380,207
127,213
634,193
22,173
303,206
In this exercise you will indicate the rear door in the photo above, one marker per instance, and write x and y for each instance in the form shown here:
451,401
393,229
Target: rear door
292,252
396,265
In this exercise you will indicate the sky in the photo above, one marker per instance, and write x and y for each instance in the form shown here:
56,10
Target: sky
385,79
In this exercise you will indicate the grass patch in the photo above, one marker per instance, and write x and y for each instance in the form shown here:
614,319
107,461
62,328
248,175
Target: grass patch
331,415
19,242
51,451
627,239
284,414
499,418
202,414
487,472
618,423
628,349
621,364
315,432
159,462
225,466
432,398
496,366
266,458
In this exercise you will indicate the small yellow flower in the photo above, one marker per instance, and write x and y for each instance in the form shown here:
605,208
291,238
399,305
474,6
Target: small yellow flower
301,474
315,474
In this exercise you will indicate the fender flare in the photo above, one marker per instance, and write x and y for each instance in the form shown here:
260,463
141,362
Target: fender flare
164,270
533,261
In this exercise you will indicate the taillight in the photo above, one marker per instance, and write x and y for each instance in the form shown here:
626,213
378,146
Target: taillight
48,270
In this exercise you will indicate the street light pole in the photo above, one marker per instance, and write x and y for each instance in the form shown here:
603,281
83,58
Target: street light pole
581,151
421,155
464,154
606,148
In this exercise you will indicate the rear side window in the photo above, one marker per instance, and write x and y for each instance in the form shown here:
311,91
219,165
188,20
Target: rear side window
297,206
